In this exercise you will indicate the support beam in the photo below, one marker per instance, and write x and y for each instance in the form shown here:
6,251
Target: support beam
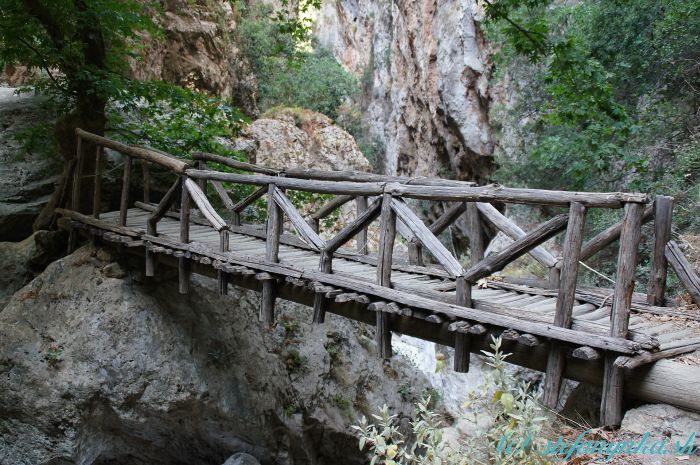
613,382
361,240
272,244
183,263
320,301
565,301
663,219
126,185
684,270
387,235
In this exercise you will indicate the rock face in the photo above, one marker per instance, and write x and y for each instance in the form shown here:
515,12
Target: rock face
28,171
424,71
101,370
295,138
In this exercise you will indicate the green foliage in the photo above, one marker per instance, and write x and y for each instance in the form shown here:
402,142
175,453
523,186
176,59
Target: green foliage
506,410
289,74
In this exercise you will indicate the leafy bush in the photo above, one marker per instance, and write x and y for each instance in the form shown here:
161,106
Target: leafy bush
511,410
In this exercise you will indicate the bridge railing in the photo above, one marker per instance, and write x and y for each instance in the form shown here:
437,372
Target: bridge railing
384,198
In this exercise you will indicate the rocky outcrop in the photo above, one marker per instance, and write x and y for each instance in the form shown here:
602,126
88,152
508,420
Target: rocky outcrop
296,138
28,167
98,367
424,70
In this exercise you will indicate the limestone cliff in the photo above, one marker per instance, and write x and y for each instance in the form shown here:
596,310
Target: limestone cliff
424,68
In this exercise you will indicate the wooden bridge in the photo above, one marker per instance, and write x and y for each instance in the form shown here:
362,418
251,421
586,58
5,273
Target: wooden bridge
590,334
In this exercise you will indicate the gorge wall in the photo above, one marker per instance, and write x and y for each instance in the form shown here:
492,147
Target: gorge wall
424,71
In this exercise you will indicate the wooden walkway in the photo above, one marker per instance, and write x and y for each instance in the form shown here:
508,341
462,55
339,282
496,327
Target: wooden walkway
587,334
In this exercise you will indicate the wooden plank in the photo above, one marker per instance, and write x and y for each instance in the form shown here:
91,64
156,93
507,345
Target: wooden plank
223,195
565,300
387,235
499,260
272,243
361,176
426,237
160,158
320,301
302,227
200,199
684,270
611,405
512,230
608,236
230,162
630,363
243,204
495,192
331,206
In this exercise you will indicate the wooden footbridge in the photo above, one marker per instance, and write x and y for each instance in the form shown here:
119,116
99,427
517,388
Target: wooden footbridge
590,334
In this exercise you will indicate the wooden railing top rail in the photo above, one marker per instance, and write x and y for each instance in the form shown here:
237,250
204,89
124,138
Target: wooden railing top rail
488,193
170,162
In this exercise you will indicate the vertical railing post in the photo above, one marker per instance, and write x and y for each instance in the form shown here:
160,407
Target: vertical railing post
462,355
387,236
361,206
223,247
415,253
325,266
663,217
565,301
146,181
477,246
272,244
126,184
183,263
97,197
75,191
611,405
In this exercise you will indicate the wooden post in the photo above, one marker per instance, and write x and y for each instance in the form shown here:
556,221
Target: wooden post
663,213
361,206
415,253
272,244
126,183
325,266
554,277
611,405
565,301
97,197
223,246
477,245
462,355
75,193
387,235
146,181
183,264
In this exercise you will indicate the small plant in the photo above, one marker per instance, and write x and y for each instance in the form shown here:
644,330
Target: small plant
405,391
343,403
513,416
54,355
294,361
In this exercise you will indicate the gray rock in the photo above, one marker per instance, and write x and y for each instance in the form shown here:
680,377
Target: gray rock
96,370
28,173
241,458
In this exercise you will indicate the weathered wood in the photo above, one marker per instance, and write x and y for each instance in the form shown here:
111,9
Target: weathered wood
383,335
126,185
565,300
512,230
629,363
243,204
205,208
355,227
585,353
387,235
684,270
162,208
146,174
462,355
272,245
609,235
426,237
415,255
77,175
463,292
611,405
499,260
302,227
183,264
477,246
320,301
495,192
97,192
361,239
528,340
331,206
230,162
223,195
224,242
160,158
361,176
101,224
663,219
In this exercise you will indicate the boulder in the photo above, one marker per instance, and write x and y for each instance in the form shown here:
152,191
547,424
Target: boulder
99,368
241,458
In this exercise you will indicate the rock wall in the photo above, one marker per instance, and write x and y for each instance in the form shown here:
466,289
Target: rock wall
98,366
424,68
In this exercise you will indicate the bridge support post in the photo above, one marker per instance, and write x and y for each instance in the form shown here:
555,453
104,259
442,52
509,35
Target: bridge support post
613,378
183,265
272,246
477,244
320,302
462,356
387,236
361,207
565,301
223,277
663,212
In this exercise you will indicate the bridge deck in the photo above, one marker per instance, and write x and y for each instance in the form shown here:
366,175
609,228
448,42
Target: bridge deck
526,304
